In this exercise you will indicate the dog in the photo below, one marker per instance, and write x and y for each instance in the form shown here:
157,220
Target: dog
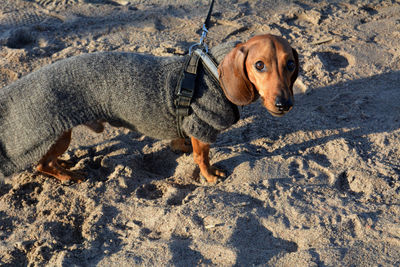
137,91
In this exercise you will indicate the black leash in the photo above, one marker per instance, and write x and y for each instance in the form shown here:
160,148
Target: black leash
207,21
187,83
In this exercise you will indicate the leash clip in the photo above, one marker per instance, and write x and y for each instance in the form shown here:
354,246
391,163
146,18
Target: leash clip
201,44
203,34
204,31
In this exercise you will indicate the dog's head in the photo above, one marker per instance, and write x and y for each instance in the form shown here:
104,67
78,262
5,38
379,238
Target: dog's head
266,66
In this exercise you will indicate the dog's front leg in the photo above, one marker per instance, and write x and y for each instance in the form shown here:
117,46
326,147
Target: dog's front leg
200,154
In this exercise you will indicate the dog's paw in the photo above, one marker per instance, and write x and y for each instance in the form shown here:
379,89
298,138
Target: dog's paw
213,175
69,177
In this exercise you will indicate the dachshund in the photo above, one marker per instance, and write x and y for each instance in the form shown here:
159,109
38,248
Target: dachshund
92,89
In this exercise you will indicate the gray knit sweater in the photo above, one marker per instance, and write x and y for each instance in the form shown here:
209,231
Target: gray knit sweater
126,89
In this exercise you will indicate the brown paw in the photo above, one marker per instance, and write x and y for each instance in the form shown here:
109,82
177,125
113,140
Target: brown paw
65,176
213,175
69,177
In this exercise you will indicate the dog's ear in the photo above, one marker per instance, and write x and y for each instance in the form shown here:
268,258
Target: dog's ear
296,71
233,77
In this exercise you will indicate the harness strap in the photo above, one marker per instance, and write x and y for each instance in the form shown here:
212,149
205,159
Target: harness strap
208,63
186,91
188,84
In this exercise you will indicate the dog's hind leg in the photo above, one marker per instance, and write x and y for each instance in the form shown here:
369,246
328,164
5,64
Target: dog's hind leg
49,163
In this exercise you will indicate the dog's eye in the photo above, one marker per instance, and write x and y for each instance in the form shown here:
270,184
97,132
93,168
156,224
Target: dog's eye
260,66
290,65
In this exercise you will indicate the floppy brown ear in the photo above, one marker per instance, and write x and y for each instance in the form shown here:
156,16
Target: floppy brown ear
233,77
296,71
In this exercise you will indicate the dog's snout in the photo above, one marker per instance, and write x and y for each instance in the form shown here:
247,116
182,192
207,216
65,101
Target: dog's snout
283,104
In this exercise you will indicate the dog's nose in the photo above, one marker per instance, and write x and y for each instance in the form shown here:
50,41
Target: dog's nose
283,104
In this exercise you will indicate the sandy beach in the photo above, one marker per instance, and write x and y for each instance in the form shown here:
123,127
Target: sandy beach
317,187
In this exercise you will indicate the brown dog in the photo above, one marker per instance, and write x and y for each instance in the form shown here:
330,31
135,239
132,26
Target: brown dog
265,66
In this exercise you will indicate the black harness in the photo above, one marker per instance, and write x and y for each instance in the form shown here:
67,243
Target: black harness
186,91
187,84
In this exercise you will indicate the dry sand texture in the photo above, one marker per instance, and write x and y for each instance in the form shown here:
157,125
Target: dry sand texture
319,187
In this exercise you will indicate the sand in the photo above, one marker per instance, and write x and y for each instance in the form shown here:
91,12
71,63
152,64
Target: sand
318,187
